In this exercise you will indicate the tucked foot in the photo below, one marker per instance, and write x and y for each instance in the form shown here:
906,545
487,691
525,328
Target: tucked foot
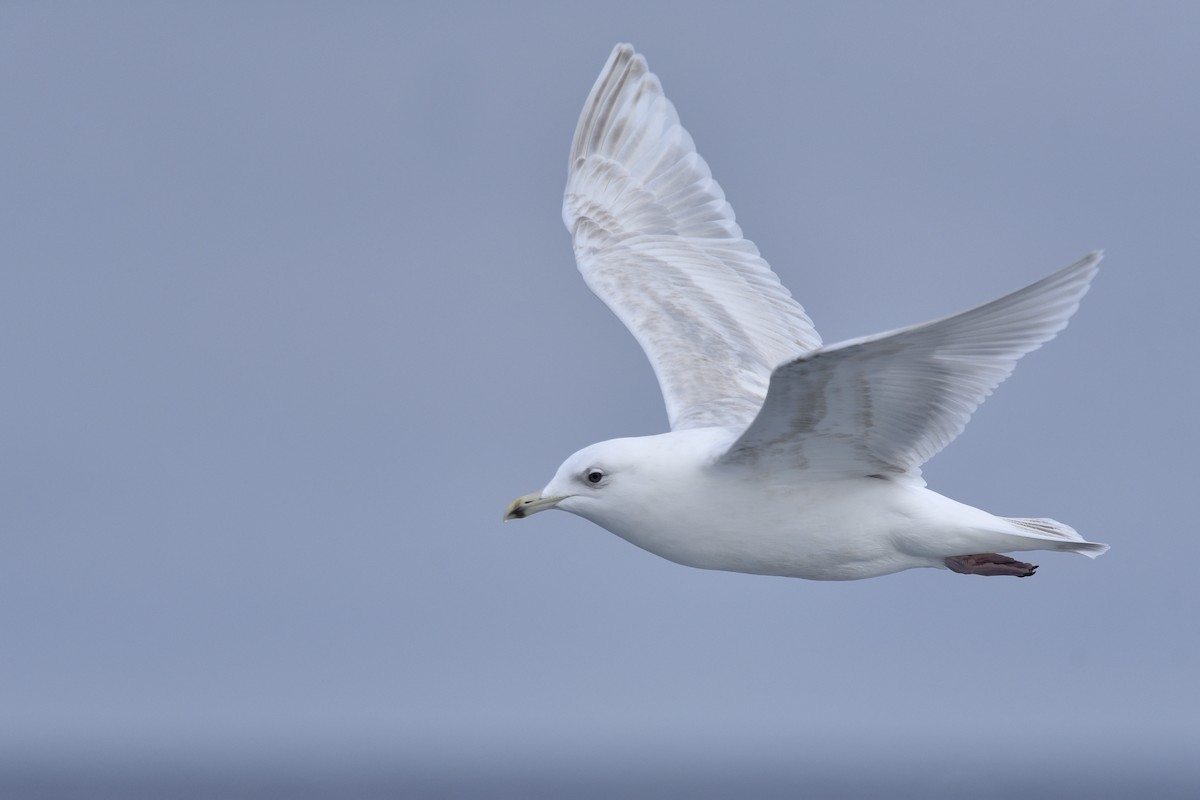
989,564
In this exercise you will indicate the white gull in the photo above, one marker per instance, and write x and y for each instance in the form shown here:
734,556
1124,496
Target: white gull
785,457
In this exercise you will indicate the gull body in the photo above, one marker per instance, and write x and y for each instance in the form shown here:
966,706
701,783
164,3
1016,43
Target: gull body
785,457
669,494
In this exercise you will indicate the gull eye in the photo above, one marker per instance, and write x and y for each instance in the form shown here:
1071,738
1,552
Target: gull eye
594,476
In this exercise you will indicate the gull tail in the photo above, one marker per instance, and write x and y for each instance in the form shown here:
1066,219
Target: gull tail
1062,537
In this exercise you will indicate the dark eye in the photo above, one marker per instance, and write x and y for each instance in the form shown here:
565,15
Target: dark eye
595,476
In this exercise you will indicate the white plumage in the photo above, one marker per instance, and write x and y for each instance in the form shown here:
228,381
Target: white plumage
785,457
657,242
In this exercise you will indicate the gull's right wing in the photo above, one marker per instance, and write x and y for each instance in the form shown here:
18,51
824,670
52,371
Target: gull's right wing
657,242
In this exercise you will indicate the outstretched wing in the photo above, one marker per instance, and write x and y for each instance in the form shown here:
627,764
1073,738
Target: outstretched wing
887,404
657,242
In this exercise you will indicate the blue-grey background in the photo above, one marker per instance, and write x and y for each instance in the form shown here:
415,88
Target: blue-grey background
288,316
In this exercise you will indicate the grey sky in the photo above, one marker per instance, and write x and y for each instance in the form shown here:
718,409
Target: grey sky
289,316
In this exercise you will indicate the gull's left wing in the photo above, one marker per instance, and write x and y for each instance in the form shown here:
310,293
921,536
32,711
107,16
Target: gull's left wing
886,404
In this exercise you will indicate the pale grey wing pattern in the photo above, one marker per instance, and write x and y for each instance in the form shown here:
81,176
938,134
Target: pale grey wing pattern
886,404
656,241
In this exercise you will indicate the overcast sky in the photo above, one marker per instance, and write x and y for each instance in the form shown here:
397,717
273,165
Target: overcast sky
289,316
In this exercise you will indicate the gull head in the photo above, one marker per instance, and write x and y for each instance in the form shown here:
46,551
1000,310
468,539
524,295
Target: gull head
620,482
589,479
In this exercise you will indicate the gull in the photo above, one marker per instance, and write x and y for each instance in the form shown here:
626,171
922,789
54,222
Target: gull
785,457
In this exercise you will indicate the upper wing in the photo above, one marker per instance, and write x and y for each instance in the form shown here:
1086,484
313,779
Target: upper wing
887,404
656,241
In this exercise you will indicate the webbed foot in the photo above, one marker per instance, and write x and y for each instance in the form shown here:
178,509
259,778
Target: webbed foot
989,564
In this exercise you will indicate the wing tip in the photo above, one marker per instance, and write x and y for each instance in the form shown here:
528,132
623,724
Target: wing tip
1090,262
625,67
623,54
1075,280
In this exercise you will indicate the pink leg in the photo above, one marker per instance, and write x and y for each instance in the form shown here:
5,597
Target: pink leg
989,564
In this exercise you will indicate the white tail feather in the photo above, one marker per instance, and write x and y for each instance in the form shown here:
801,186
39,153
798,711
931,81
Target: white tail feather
1051,529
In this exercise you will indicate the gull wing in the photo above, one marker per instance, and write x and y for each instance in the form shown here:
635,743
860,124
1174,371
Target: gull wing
657,242
886,404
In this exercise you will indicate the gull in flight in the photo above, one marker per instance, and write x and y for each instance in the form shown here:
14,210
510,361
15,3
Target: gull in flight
785,456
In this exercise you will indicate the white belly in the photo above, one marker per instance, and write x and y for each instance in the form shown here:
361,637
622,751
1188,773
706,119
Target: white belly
841,530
